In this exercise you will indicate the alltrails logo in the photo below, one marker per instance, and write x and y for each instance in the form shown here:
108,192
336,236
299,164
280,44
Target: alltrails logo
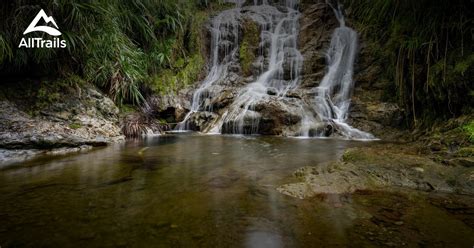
40,42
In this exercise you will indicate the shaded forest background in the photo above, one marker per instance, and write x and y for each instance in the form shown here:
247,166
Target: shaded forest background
426,50
133,48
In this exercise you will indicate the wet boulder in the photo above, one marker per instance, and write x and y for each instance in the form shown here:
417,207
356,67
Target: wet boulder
378,118
249,123
170,107
225,98
277,116
200,120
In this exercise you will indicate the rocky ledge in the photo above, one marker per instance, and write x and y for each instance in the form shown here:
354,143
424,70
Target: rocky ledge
77,120
385,167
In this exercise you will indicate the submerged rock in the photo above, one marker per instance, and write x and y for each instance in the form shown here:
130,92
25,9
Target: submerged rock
380,167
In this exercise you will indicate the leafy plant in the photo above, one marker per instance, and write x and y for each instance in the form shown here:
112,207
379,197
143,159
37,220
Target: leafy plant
117,45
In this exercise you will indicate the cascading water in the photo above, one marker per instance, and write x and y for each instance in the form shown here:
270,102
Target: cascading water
333,95
279,32
274,85
279,46
224,45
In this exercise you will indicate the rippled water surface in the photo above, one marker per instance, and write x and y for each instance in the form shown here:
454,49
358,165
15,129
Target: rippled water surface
212,191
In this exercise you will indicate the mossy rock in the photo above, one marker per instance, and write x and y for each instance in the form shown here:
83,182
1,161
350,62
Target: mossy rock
75,125
249,46
169,81
466,152
355,155
459,131
187,58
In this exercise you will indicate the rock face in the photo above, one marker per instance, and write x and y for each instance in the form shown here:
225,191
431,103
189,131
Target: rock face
170,107
84,117
317,24
369,111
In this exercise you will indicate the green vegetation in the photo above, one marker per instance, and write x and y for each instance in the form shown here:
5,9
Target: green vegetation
426,47
188,58
120,46
249,45
171,80
469,129
47,92
75,125
466,151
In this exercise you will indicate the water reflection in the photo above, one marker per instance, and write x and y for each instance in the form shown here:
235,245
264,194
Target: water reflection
180,191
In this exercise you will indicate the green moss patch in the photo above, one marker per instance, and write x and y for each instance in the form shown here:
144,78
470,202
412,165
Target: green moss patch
75,125
169,80
249,46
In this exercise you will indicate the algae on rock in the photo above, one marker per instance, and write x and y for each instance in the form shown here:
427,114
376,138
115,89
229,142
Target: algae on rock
249,46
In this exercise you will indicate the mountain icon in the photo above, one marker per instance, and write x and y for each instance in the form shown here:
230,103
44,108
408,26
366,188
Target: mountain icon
48,19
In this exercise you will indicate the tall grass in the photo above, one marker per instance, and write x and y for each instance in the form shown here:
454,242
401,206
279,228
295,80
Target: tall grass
115,44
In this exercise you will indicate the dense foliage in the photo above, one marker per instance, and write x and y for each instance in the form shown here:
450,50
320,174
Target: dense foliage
119,45
426,47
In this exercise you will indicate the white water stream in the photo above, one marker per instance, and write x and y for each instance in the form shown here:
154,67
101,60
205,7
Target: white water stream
334,93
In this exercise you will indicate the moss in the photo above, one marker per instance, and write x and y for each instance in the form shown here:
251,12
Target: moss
127,108
75,125
246,58
71,80
469,130
53,91
169,81
46,95
196,37
192,70
354,155
466,152
248,46
186,60
163,121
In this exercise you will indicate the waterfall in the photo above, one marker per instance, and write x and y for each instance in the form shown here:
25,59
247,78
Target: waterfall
275,78
224,45
333,95
279,34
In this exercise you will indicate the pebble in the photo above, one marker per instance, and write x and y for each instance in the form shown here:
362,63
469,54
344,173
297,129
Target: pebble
419,169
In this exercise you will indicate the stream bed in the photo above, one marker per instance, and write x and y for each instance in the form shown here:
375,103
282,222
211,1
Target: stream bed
187,190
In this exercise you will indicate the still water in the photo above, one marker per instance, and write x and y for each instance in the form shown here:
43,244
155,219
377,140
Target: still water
212,191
